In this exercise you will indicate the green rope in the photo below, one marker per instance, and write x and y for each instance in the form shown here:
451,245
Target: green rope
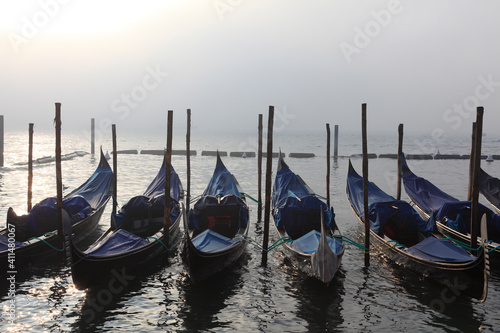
157,239
375,249
248,196
462,244
279,242
50,245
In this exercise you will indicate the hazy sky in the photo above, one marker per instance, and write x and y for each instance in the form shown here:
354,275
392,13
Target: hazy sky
427,64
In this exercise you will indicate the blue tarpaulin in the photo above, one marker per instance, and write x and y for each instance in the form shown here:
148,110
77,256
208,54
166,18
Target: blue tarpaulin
4,243
425,195
439,250
221,203
309,243
116,242
210,241
295,207
446,209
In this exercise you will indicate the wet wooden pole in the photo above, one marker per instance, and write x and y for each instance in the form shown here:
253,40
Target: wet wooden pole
400,160
269,162
92,136
259,171
475,179
328,165
336,142
60,234
471,161
168,166
115,167
30,167
1,141
365,185
188,159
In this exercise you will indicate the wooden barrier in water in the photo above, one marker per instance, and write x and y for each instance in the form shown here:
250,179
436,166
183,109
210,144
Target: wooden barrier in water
161,152
213,153
242,154
301,155
127,151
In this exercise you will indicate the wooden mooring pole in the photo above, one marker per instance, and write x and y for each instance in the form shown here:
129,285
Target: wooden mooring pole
365,185
188,159
471,160
475,179
168,166
336,142
400,160
30,166
60,234
269,162
115,167
328,165
259,171
92,136
1,141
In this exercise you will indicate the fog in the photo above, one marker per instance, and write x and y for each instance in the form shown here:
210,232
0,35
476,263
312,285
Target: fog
426,64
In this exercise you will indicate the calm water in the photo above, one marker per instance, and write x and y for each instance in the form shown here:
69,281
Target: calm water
250,297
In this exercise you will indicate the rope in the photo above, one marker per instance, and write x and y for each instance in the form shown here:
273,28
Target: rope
157,239
248,196
462,244
50,245
277,243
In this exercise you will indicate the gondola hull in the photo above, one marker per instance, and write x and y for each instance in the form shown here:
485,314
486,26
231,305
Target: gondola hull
202,265
89,271
303,261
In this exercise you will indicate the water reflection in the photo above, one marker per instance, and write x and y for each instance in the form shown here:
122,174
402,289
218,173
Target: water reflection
318,304
204,301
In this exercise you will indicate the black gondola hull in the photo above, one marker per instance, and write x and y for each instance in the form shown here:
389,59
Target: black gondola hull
89,271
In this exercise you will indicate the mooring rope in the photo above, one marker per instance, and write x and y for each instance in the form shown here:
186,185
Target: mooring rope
248,196
44,241
165,246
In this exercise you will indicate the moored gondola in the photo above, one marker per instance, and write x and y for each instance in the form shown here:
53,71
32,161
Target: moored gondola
216,228
135,237
415,243
36,236
301,217
452,216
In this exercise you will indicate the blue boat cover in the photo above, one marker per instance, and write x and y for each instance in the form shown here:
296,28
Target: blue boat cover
490,188
446,209
402,220
295,207
355,192
422,192
117,242
439,250
222,182
221,203
308,243
210,241
151,203
78,204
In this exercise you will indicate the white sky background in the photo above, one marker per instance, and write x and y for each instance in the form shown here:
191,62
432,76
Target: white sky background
228,60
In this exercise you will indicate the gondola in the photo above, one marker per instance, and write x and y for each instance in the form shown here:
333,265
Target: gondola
36,236
303,218
489,187
452,216
135,237
411,241
216,227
